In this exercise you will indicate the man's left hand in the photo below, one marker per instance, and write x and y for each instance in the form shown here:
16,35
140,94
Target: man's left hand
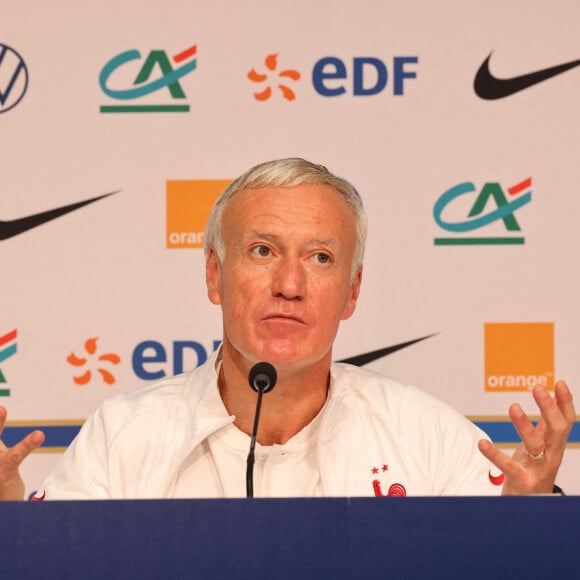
534,465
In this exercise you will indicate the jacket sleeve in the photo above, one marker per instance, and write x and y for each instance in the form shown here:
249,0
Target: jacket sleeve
83,470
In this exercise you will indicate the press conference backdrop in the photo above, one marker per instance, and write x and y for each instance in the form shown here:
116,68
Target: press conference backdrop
120,122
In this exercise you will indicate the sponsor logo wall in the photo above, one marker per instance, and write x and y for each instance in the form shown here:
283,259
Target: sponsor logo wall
457,127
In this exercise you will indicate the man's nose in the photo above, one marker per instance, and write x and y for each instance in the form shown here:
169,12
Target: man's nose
289,279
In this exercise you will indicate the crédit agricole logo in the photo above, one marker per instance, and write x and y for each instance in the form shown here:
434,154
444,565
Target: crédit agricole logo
122,81
464,208
8,347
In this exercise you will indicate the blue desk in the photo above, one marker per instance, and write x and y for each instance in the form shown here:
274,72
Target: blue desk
370,538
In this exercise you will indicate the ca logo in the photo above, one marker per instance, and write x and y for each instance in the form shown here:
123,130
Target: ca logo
490,194
119,69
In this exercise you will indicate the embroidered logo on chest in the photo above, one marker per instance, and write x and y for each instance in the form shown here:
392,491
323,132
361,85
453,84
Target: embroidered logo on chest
394,490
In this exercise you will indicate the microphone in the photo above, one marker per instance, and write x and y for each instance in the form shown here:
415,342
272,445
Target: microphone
262,379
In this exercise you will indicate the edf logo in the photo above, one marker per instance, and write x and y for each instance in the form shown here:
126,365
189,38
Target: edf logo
364,76
370,75
122,67
453,204
150,357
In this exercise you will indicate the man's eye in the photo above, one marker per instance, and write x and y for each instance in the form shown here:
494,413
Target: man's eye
261,251
322,258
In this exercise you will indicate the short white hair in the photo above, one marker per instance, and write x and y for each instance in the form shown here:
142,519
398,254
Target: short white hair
289,172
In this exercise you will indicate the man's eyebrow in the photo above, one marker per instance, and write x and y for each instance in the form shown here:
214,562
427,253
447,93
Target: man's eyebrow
325,242
328,242
260,234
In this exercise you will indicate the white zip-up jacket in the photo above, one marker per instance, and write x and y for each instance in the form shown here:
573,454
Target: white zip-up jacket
376,437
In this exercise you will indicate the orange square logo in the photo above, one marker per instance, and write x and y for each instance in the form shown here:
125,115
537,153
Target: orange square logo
188,205
519,356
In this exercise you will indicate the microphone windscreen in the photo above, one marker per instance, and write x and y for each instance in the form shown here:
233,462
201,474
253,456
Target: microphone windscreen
262,377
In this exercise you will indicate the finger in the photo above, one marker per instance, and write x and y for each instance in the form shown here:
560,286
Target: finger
565,401
531,436
502,461
19,452
540,426
31,442
550,410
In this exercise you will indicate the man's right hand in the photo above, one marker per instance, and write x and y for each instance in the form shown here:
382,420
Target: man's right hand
11,484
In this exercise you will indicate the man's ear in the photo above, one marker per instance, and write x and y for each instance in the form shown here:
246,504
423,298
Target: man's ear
213,277
354,294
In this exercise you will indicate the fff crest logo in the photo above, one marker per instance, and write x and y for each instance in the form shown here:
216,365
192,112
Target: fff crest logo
130,79
463,209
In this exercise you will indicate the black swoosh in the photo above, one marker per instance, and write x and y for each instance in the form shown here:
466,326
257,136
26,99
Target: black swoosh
490,88
9,229
367,357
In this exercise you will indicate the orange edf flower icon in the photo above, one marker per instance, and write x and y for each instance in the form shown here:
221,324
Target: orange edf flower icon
91,349
271,63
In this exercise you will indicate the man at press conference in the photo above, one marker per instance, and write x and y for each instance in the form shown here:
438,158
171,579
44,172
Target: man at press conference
284,260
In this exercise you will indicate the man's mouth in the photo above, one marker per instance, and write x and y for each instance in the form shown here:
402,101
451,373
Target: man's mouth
280,317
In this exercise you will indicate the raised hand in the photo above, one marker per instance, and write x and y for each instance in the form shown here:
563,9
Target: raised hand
534,465
11,484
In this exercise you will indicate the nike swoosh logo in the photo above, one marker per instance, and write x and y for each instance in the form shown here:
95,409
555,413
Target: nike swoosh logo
9,229
496,479
367,357
490,87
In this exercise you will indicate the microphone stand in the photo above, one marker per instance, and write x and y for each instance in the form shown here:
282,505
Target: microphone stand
251,458
262,379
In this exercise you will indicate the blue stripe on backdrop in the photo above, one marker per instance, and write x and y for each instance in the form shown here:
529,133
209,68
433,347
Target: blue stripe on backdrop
504,431
500,431
56,435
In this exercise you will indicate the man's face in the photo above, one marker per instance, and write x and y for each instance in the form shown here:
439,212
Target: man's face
285,282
